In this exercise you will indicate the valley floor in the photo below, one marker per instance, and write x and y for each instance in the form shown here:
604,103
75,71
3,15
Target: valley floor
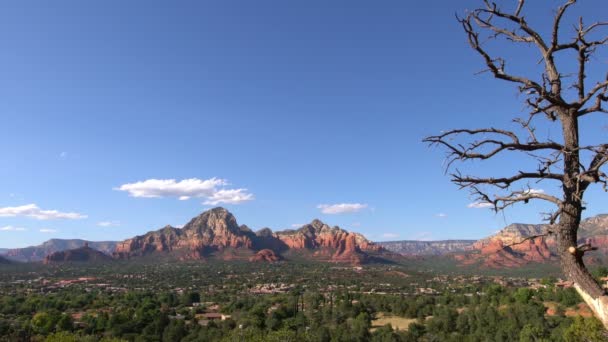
224,301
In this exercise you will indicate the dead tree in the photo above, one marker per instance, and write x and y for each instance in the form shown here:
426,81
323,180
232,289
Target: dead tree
551,100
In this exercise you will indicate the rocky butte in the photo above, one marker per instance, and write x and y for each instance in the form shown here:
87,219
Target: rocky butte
510,246
82,254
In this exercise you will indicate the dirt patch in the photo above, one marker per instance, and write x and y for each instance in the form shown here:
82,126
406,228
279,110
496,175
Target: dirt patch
580,310
551,308
398,323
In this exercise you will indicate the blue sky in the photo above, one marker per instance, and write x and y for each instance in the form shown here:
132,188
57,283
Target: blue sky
302,104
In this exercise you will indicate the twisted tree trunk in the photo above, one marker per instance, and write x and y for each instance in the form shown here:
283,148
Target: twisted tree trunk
571,257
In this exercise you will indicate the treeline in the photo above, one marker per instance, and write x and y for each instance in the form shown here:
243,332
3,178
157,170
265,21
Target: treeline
484,313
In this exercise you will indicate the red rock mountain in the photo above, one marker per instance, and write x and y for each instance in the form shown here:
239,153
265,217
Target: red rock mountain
509,247
329,243
216,233
82,254
213,231
265,255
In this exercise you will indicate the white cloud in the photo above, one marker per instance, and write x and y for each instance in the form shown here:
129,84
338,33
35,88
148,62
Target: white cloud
341,208
49,231
232,196
390,235
33,211
297,225
480,205
108,223
63,155
12,229
210,189
442,215
184,189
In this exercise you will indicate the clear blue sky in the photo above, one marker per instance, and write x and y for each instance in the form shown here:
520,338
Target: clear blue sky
302,103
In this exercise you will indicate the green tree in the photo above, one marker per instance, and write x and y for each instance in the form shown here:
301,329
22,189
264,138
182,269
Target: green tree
585,329
65,323
63,336
175,331
530,333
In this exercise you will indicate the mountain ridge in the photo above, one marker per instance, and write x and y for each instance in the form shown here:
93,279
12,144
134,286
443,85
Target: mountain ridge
216,233
423,248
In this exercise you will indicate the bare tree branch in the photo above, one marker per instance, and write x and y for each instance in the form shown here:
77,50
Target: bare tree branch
505,182
528,238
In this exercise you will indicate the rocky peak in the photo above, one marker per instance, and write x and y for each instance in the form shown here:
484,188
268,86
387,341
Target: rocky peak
264,232
317,224
218,220
212,231
318,227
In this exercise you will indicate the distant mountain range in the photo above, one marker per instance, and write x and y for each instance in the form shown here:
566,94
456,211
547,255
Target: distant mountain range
38,253
418,248
215,234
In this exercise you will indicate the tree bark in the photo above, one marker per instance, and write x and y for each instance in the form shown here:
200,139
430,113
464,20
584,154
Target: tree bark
571,259
575,270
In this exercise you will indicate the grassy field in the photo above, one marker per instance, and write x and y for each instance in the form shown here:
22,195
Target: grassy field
398,323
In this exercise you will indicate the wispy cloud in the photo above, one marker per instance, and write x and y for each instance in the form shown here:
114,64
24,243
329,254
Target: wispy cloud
213,190
108,223
390,235
63,155
480,205
48,231
441,215
297,225
33,211
342,208
233,196
12,229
